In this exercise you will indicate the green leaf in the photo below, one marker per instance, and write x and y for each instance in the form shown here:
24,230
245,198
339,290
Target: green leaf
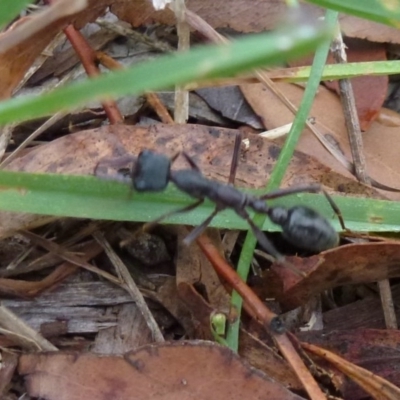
91,197
167,71
384,11
9,9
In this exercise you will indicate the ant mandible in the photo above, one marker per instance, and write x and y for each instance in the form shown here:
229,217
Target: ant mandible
302,226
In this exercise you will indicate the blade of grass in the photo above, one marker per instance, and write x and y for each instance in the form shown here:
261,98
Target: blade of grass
349,70
90,197
9,9
278,173
385,12
169,70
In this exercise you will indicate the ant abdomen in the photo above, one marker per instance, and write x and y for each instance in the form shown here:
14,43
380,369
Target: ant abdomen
305,228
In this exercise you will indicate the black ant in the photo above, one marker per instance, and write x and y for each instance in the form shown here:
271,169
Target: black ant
302,226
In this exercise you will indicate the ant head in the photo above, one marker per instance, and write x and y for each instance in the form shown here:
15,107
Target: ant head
151,172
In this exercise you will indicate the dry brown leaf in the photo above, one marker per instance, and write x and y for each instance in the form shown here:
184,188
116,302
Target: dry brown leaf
30,36
374,385
192,267
9,362
349,264
20,288
372,349
369,91
181,370
382,156
254,16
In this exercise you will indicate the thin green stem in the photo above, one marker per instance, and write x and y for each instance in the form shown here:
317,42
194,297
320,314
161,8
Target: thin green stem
279,171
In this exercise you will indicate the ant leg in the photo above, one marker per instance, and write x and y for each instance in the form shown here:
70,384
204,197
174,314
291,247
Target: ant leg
264,242
116,163
196,232
335,208
191,162
235,158
306,189
190,207
292,190
268,246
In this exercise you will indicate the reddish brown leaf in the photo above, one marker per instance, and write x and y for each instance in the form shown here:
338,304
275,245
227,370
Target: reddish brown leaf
376,386
254,16
372,349
349,264
381,155
15,61
169,371
9,363
369,91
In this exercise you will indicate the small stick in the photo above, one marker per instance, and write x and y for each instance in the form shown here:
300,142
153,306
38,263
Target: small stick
360,167
131,287
15,328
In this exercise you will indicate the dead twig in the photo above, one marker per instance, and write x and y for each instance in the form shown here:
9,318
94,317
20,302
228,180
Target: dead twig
16,329
131,287
266,317
360,165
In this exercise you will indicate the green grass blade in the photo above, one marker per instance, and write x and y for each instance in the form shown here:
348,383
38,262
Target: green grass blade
169,70
277,174
90,197
383,11
9,9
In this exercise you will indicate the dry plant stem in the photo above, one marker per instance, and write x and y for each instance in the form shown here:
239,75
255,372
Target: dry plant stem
385,293
360,167
88,58
265,77
40,60
124,29
63,271
181,113
152,99
131,287
155,103
50,122
64,254
264,316
350,113
21,32
376,386
5,136
19,331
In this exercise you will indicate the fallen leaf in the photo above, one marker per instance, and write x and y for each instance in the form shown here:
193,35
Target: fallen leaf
381,155
25,40
369,91
181,370
9,362
372,349
376,386
349,264
256,16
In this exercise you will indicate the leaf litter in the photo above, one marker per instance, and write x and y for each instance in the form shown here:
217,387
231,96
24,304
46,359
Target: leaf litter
106,346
